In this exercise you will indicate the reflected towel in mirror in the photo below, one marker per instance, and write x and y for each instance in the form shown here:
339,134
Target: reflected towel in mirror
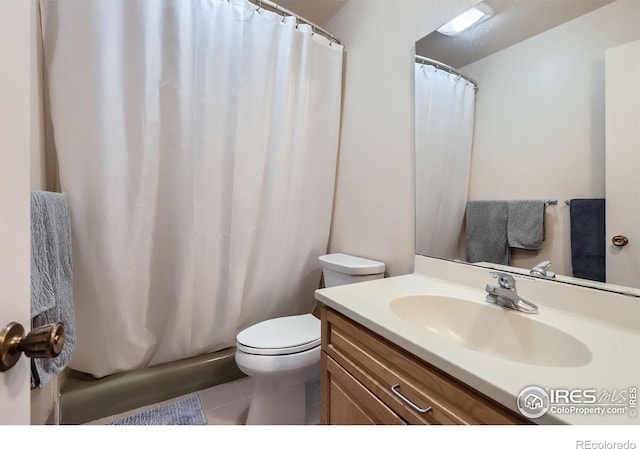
486,231
588,243
525,224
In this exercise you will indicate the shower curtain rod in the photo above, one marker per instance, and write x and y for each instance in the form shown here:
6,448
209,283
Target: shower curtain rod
446,68
280,10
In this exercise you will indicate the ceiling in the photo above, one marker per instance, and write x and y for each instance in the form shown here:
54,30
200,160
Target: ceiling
318,12
513,22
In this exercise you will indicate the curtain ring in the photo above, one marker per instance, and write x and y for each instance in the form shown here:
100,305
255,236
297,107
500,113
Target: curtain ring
259,6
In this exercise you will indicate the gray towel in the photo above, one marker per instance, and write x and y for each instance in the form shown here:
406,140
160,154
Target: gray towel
525,227
51,277
486,231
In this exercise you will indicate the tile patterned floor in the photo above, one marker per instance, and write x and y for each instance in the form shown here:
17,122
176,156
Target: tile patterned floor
228,404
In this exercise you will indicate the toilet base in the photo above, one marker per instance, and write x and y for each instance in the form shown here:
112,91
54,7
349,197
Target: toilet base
273,403
279,396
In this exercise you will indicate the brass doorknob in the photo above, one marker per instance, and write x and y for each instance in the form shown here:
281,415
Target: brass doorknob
42,342
620,240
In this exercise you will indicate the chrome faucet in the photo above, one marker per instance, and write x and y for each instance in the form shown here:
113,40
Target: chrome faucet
541,271
505,295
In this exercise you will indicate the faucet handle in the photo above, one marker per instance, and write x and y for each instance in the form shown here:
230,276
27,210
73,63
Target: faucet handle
504,280
544,264
540,270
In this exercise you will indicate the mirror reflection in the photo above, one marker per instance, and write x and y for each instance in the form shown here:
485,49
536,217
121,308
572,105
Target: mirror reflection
533,168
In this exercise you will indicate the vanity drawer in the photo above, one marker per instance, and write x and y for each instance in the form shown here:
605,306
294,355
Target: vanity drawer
380,365
347,401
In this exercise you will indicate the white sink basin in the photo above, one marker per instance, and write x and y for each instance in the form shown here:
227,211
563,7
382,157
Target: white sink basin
491,330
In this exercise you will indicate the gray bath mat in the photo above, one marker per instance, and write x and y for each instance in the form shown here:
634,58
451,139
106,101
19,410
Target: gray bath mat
185,412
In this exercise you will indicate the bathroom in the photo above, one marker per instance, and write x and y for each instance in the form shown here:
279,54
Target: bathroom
373,206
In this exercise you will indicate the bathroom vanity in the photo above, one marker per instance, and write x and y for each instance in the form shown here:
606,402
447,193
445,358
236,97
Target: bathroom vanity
369,380
427,348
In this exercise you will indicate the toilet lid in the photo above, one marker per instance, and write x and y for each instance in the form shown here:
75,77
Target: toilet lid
278,336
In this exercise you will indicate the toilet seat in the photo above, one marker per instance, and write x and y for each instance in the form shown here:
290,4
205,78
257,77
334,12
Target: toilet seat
281,336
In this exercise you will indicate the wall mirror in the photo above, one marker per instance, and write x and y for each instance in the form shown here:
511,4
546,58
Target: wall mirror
543,124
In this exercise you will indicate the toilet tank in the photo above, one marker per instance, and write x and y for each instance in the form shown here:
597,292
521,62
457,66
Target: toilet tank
340,269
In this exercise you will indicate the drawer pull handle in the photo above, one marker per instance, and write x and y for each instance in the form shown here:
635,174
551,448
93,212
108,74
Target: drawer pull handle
395,388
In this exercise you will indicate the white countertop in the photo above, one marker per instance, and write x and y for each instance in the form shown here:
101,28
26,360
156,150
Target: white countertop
608,324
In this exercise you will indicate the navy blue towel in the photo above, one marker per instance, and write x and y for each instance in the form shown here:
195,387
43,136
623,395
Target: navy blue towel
588,239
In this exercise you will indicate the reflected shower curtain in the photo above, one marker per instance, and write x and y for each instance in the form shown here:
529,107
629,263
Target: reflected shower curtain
444,113
197,141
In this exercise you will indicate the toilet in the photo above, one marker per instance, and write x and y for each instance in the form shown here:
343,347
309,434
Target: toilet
283,354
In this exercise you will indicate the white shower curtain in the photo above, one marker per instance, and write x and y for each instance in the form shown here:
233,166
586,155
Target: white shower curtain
197,141
444,113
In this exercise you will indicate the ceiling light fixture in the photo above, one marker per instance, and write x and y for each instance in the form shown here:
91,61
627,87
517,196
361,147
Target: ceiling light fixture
466,20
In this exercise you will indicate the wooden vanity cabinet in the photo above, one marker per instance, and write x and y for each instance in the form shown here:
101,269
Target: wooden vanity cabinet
359,369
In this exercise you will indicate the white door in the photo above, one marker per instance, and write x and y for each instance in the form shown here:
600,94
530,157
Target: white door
16,29
622,162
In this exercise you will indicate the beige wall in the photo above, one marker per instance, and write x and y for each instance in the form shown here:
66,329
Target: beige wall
373,210
539,130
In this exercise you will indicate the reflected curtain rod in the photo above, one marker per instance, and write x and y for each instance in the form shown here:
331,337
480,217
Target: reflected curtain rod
446,68
282,11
